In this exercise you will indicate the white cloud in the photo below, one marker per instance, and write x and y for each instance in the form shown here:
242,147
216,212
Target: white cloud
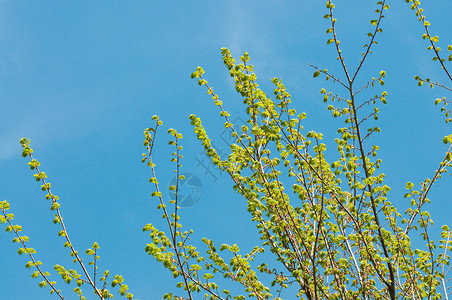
9,142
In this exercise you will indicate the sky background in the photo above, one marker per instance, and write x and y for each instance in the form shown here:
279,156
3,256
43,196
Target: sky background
82,79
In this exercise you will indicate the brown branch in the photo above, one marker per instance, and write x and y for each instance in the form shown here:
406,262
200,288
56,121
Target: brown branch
422,18
35,264
66,234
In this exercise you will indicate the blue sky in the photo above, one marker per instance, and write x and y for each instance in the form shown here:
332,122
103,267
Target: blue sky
82,79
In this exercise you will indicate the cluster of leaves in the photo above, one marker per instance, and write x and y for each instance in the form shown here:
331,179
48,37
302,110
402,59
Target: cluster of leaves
340,237
433,46
333,234
67,275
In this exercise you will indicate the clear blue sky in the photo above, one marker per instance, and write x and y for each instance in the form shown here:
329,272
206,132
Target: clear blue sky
82,79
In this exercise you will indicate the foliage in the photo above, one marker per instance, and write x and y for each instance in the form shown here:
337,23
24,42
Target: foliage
333,234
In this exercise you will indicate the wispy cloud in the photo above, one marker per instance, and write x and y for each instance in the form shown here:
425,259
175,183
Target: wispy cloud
9,141
248,31
44,125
